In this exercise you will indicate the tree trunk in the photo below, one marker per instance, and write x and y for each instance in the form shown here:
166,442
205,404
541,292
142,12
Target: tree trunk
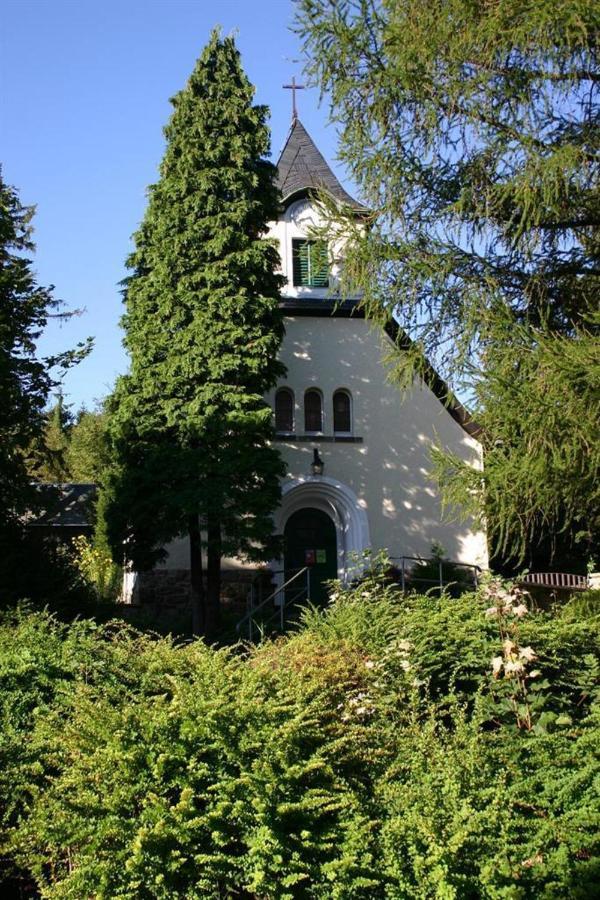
198,596
213,576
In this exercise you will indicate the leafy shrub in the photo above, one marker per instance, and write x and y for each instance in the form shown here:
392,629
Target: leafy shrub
466,814
582,605
379,751
96,566
40,570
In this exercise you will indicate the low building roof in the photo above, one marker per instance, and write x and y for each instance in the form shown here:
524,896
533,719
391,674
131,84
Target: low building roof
64,505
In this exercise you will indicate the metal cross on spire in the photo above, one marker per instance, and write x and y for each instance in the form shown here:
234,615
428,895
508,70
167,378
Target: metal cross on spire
293,87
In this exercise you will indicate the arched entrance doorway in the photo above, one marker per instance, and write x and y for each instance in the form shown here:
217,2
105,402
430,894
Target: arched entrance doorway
342,506
310,540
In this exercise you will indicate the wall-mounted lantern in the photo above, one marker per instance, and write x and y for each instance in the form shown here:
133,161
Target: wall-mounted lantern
317,465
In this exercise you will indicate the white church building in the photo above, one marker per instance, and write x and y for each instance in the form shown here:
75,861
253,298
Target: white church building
357,449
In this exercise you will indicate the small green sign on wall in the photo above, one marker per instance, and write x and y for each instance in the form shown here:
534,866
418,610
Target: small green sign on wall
321,556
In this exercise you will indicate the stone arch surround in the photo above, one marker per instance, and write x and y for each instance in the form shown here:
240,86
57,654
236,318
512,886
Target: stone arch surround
341,504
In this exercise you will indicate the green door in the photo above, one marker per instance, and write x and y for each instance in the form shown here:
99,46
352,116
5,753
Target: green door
310,540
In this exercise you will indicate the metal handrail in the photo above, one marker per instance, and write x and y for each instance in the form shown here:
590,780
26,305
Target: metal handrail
439,582
252,613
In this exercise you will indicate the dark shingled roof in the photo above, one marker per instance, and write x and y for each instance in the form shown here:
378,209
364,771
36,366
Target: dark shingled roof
64,505
301,168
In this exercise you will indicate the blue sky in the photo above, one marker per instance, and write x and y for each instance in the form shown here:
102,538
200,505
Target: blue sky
84,90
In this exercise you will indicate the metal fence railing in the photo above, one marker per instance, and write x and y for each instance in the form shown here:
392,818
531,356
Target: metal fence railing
274,612
422,573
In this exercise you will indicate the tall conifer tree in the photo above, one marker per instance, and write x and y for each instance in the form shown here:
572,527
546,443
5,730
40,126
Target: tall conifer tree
202,326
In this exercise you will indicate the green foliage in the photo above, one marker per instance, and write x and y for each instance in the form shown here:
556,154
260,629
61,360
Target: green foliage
540,408
70,448
27,567
469,815
97,568
38,657
466,126
87,452
47,455
25,379
472,131
366,755
587,603
189,426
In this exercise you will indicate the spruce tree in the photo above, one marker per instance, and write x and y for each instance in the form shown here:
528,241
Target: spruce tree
189,425
24,378
87,454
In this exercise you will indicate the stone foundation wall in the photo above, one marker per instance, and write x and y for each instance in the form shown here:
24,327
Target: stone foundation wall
163,590
165,595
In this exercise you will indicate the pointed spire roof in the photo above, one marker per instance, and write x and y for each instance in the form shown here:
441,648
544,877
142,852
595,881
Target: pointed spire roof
301,167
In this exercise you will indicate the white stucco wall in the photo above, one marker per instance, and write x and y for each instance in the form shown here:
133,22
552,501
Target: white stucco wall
388,471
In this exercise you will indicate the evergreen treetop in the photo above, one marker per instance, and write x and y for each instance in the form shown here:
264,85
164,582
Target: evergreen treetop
201,267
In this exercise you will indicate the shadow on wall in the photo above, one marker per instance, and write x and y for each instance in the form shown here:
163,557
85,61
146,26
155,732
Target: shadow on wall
389,471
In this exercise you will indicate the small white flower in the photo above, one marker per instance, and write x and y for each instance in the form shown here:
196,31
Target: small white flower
520,611
527,653
369,664
497,663
508,647
404,646
514,665
535,674
405,665
491,611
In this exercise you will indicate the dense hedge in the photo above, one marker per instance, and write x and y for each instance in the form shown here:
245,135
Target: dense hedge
393,747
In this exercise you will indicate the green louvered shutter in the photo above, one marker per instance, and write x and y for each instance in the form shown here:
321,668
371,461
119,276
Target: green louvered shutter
319,264
300,253
310,263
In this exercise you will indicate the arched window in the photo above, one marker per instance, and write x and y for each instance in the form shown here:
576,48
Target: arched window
342,413
284,411
313,412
